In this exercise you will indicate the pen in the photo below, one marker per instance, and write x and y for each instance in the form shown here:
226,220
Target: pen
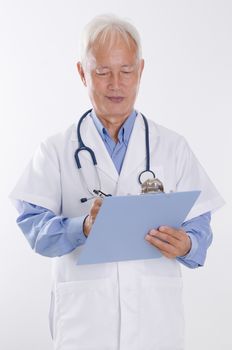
98,193
101,194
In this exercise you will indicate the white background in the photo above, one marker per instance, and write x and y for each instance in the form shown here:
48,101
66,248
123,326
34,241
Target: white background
187,86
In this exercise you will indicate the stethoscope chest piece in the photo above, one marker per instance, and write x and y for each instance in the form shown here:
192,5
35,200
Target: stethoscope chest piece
150,185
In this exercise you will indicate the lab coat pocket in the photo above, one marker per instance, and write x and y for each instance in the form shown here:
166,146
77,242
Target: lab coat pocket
86,315
161,313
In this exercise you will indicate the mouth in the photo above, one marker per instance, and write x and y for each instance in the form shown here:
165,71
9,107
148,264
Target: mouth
115,99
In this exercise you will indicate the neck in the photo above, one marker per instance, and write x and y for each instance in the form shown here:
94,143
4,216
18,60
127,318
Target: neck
113,125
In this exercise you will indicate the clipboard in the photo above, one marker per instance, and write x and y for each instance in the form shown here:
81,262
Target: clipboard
118,233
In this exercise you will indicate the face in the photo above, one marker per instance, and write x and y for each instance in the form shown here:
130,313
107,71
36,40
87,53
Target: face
112,76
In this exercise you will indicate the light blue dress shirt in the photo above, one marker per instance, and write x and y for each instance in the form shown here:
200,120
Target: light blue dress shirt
117,150
52,235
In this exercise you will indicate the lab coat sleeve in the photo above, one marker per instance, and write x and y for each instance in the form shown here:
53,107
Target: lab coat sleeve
40,182
190,176
48,234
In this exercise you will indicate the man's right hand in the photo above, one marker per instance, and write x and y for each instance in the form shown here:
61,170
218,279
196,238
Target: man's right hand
89,220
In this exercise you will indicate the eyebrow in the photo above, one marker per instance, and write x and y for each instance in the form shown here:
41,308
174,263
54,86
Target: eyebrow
102,67
123,66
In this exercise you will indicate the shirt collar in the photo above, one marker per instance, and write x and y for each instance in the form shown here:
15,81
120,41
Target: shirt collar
124,132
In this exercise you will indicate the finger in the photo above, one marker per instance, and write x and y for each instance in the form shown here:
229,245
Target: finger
97,202
166,250
94,210
181,247
95,207
162,246
168,255
165,237
177,234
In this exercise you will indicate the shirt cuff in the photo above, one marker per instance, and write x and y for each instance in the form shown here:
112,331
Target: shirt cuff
188,259
194,247
74,230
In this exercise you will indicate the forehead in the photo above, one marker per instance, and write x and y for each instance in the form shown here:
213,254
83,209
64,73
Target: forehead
114,49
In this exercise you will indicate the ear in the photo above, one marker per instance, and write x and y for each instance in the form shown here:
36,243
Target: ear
81,72
141,67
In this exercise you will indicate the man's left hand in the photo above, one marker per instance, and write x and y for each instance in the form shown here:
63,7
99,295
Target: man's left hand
169,241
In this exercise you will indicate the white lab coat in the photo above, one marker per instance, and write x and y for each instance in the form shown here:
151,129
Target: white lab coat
132,305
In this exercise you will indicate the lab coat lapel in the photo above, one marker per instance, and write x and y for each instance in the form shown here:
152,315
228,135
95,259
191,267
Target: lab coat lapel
92,139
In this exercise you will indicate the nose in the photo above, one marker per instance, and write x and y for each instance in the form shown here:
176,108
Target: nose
115,81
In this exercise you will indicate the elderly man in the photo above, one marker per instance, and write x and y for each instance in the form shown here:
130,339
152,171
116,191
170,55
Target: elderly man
126,305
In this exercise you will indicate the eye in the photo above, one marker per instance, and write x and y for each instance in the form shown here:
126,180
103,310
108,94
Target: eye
127,70
102,72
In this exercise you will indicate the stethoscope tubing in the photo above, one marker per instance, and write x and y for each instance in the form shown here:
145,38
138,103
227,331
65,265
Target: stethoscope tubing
83,147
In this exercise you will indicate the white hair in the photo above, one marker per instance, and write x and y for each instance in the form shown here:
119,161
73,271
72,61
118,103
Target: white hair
104,28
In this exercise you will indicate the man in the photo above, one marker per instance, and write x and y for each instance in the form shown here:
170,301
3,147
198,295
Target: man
130,305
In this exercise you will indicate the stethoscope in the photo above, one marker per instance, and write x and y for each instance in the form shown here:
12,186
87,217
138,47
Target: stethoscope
83,147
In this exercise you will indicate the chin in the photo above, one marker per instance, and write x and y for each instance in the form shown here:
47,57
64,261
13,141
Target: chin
119,109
